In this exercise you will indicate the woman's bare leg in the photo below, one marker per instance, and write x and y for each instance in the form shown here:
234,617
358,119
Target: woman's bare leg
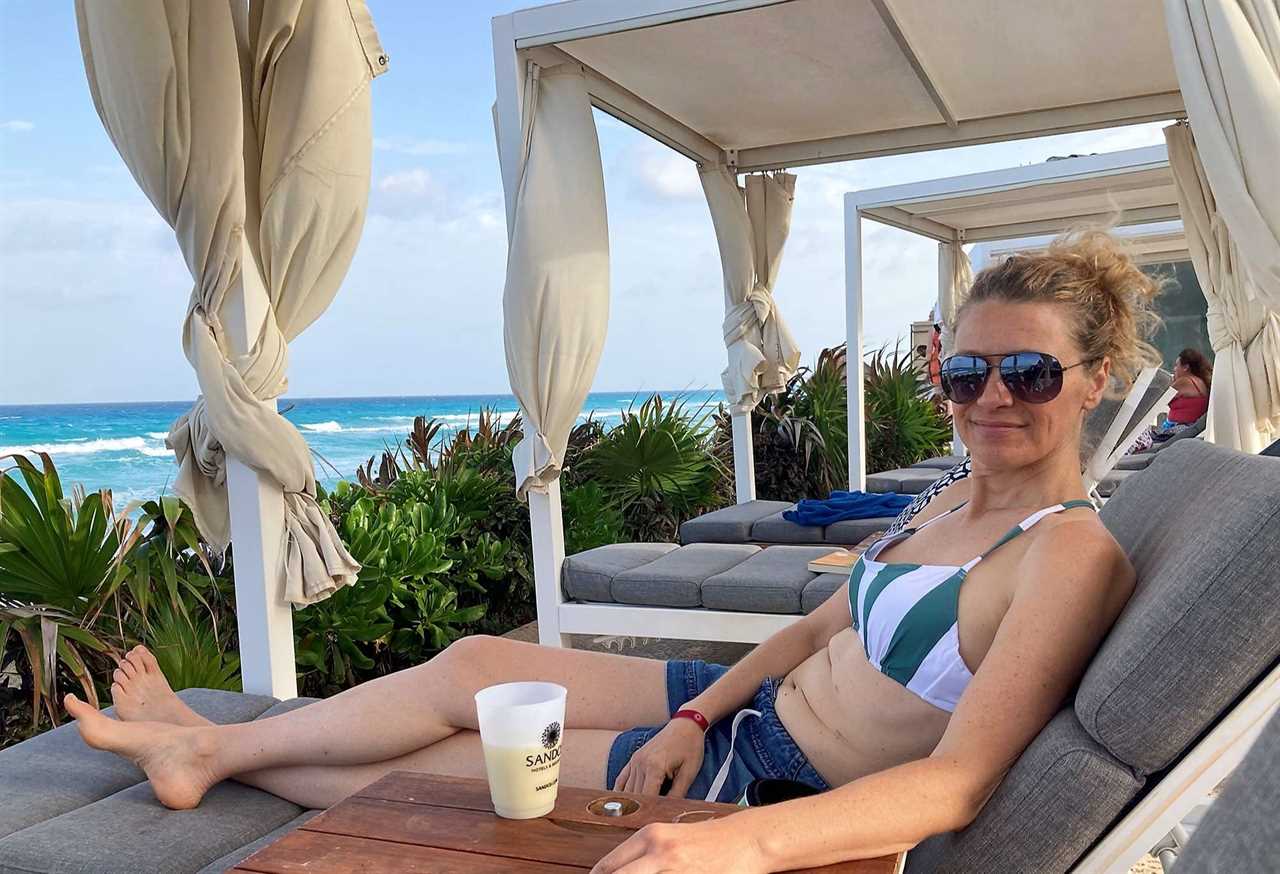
383,719
583,762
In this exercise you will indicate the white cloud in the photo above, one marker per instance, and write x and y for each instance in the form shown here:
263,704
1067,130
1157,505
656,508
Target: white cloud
17,126
416,181
669,174
411,146
110,228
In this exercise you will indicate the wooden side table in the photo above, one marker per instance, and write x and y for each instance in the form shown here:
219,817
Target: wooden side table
427,824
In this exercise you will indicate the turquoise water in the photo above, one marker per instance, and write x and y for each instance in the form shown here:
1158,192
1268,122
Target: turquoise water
121,446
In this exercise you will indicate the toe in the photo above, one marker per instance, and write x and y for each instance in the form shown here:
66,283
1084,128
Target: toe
120,677
148,660
135,662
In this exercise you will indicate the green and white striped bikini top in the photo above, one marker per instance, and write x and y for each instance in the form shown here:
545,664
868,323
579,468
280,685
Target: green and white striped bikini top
906,614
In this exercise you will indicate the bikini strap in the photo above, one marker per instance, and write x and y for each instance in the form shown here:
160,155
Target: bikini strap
1026,525
880,545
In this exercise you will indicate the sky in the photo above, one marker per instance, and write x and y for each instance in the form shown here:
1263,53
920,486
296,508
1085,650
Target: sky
93,289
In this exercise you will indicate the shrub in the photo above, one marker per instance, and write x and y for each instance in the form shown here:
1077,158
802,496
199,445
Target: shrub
657,467
904,425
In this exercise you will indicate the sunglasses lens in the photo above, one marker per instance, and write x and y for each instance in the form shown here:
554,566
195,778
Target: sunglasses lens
963,377
1032,377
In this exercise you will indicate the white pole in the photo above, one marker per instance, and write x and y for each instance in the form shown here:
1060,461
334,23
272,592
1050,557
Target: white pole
264,620
853,359
744,468
546,521
546,518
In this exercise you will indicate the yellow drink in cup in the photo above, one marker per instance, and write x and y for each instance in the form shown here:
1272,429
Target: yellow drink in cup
521,725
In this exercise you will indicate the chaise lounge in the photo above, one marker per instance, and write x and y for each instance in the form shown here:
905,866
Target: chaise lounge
1195,638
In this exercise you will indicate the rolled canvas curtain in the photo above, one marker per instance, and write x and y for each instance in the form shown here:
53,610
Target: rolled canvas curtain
555,304
1227,57
751,229
955,277
1244,400
248,128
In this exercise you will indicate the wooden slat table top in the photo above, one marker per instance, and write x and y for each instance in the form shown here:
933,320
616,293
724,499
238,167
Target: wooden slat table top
411,822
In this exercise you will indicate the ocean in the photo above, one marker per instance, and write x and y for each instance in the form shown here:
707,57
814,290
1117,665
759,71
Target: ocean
121,446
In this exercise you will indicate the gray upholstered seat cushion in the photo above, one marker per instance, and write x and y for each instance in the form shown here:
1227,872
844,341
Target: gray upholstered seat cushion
729,524
942,462
127,830
1202,527
1241,831
851,532
1112,482
774,529
1060,794
819,589
904,481
675,579
55,772
588,576
1137,461
235,857
130,832
768,582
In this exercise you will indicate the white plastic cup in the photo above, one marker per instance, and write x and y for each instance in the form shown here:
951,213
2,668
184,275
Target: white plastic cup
521,725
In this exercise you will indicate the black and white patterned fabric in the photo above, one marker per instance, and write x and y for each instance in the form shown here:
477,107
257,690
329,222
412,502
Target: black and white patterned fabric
959,472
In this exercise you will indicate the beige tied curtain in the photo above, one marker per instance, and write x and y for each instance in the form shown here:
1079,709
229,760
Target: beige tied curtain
1244,400
248,127
751,227
556,301
955,278
1227,57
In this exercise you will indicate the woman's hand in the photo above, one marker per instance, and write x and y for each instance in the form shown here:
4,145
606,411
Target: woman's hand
687,848
675,752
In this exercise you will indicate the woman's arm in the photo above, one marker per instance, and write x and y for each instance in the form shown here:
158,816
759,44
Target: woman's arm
776,657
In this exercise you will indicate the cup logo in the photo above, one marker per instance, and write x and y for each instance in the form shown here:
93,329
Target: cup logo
551,736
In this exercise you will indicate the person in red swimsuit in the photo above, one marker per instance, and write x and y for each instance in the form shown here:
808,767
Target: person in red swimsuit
1192,375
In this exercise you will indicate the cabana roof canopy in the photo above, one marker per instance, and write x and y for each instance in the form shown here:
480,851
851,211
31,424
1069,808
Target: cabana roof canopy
1131,187
771,83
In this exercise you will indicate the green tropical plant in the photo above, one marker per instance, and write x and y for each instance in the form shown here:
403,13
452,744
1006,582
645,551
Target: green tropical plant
656,466
61,561
590,518
331,636
903,424
190,653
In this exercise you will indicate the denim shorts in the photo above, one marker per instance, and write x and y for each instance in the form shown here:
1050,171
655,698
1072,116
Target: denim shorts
763,749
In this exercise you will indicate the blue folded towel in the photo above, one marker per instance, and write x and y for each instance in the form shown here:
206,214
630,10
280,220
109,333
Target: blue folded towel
847,505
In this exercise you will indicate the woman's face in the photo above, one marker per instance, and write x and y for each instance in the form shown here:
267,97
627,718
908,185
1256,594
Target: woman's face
1000,431
1180,369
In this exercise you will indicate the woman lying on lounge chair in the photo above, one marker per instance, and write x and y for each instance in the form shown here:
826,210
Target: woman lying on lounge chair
908,694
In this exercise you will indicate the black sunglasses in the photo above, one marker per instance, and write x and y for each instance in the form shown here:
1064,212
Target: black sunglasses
1031,377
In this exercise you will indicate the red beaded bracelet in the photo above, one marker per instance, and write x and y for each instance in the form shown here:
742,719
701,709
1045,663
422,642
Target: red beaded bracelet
690,713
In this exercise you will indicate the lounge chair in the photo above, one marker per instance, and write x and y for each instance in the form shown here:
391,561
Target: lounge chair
1241,831
1183,662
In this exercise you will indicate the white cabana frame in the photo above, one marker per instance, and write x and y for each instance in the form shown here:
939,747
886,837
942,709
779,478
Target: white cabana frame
1126,188
733,82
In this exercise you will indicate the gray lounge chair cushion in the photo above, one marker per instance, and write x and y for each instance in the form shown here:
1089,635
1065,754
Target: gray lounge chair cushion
775,529
1200,526
230,860
55,772
942,462
675,579
730,524
1137,461
819,589
851,532
1063,790
130,832
904,481
1241,831
1196,429
588,576
1112,482
770,581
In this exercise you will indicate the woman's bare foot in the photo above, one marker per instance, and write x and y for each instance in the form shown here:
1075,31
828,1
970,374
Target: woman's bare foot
141,693
176,759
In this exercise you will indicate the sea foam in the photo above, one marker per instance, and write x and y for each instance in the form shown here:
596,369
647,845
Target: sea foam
81,447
